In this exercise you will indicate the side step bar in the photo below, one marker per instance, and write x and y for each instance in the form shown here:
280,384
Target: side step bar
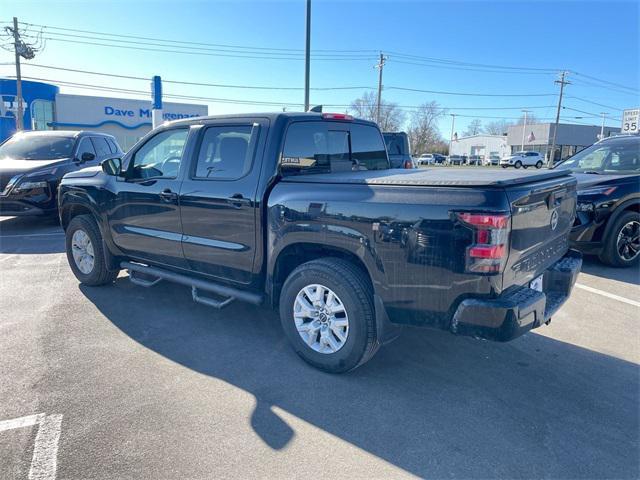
196,284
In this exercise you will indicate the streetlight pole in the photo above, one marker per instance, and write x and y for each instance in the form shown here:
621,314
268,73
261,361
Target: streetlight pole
453,122
604,114
524,127
307,59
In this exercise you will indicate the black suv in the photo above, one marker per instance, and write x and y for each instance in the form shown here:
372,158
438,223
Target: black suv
608,213
33,163
398,150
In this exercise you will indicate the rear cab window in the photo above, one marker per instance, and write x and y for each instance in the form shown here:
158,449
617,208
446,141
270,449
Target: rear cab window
325,147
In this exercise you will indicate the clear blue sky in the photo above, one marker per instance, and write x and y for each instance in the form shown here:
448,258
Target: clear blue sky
597,38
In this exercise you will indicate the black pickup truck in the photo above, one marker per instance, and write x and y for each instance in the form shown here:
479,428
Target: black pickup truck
301,212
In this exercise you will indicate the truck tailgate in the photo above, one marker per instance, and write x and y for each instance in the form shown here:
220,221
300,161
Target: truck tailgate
542,215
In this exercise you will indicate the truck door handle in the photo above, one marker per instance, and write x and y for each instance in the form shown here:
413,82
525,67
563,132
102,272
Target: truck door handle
238,200
167,195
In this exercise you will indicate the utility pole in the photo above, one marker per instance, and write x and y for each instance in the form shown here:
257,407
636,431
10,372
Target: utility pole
307,58
453,123
562,83
17,44
604,114
524,127
379,66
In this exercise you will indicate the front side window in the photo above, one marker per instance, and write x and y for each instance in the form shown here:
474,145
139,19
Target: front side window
621,156
160,156
226,152
33,147
320,147
85,146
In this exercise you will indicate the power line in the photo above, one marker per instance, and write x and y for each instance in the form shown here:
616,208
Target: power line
605,81
191,42
596,103
473,94
467,69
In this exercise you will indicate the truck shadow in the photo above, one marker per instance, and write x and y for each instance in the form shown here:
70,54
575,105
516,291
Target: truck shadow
430,403
31,235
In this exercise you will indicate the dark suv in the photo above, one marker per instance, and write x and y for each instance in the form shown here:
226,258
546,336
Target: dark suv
398,150
33,163
608,213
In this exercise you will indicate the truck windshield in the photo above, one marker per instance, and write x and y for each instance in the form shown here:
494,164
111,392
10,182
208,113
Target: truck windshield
620,156
33,147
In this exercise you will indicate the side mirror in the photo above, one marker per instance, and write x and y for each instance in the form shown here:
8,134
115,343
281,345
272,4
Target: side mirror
87,157
112,166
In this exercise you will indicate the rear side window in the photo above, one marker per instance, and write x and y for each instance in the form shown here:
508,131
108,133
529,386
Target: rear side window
101,146
112,146
322,147
226,152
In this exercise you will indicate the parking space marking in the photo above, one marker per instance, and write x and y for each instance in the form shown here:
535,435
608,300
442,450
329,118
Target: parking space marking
609,295
44,462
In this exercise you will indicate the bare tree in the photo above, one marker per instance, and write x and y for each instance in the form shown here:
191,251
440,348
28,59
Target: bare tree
423,132
391,116
474,128
497,127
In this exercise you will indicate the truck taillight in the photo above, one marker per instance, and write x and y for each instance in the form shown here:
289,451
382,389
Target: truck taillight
488,252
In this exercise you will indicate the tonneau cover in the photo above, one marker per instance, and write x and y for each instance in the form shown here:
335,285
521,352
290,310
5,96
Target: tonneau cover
434,177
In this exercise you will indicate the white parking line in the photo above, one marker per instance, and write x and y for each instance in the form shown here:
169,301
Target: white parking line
608,295
45,450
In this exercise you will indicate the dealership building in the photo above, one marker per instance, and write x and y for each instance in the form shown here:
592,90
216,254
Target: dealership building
45,108
570,138
485,146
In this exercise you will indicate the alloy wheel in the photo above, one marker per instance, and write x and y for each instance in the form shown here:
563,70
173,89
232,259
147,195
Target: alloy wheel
321,319
82,250
628,243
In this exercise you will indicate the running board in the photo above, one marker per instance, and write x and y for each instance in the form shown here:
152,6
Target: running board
229,293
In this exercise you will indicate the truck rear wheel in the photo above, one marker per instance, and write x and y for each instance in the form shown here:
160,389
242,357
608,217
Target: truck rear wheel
327,313
84,252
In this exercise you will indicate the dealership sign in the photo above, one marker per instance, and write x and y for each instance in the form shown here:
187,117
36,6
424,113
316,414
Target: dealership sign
9,106
630,120
81,110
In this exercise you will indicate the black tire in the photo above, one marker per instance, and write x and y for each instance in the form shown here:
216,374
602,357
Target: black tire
505,166
518,164
350,285
539,164
99,275
610,253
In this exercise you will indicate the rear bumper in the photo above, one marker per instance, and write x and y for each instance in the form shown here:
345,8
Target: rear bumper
519,308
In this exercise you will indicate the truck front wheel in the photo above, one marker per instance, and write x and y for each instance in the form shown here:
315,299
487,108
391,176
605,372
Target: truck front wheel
327,313
84,252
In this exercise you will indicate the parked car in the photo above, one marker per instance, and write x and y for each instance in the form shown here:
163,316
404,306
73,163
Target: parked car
398,149
491,160
426,159
32,164
523,159
474,160
455,160
300,211
439,159
608,215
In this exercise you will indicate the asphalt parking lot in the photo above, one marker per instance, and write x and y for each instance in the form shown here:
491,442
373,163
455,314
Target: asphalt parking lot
126,382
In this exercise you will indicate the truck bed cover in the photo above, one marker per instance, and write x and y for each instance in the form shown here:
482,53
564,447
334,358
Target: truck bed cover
434,177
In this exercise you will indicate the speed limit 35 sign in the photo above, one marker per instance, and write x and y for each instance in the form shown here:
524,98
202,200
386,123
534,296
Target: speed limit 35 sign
630,120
